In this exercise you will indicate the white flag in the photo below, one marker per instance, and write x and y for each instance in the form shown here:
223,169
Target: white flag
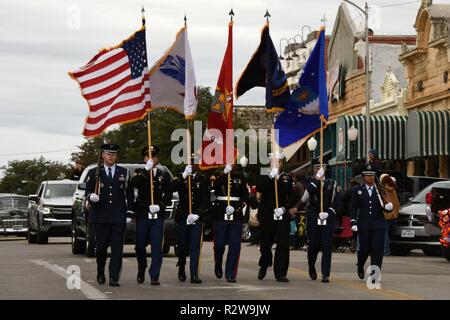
172,79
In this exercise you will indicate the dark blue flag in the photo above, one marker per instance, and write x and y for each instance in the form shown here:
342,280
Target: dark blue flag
308,104
265,70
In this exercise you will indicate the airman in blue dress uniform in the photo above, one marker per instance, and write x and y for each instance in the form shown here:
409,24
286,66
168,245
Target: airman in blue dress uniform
368,220
108,212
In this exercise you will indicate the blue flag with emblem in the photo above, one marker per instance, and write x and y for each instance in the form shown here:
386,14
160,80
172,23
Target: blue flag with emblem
308,104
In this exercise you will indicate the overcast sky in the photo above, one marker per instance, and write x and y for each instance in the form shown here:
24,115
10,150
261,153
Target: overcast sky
40,41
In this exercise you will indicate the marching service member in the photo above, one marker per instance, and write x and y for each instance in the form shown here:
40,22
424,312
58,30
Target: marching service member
150,213
231,198
109,197
192,208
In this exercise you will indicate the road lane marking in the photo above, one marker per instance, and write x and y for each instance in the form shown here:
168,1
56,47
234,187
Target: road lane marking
391,294
89,291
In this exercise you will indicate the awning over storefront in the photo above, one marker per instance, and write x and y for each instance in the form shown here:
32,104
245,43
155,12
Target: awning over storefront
428,133
388,136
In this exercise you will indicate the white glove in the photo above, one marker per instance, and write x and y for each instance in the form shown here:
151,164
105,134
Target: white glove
229,210
273,173
149,165
129,220
227,169
193,217
154,208
389,206
94,198
278,212
187,171
320,173
354,228
323,215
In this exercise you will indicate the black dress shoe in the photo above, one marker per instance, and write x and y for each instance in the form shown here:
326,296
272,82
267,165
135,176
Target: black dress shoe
195,279
155,282
218,272
312,273
231,280
283,279
101,279
262,273
113,283
361,273
325,279
181,274
140,277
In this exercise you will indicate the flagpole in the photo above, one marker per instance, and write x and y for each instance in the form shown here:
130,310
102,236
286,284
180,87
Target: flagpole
321,163
149,129
188,161
231,14
322,119
275,153
188,142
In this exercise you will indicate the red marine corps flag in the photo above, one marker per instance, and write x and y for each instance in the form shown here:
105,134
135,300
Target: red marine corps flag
218,145
115,84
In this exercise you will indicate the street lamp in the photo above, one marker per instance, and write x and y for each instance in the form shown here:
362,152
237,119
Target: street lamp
303,28
352,136
366,65
312,145
281,40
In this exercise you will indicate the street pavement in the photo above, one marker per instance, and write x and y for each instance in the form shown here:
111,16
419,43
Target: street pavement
32,271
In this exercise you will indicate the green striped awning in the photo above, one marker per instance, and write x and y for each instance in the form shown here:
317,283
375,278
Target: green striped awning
388,136
428,133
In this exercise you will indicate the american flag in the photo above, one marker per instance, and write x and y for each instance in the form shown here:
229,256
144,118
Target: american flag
115,84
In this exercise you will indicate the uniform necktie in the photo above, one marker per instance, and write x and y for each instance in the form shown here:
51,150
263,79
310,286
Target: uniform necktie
370,191
110,173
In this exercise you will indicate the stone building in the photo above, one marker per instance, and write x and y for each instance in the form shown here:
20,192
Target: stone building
427,64
347,84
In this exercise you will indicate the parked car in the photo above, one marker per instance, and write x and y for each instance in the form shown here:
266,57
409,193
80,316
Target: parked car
407,186
13,214
437,199
49,213
409,232
82,235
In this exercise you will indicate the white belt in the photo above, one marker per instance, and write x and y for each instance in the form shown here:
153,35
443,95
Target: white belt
228,198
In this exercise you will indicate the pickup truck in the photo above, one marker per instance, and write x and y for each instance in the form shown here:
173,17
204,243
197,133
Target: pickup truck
49,212
438,199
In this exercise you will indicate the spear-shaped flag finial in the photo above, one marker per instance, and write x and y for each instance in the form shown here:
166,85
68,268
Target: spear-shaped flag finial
324,20
143,15
185,20
231,14
267,15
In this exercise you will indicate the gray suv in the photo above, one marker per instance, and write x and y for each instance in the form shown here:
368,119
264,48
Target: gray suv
49,213
409,232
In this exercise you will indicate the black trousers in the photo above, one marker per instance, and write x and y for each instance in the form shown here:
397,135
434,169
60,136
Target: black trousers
320,237
371,242
270,232
107,234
